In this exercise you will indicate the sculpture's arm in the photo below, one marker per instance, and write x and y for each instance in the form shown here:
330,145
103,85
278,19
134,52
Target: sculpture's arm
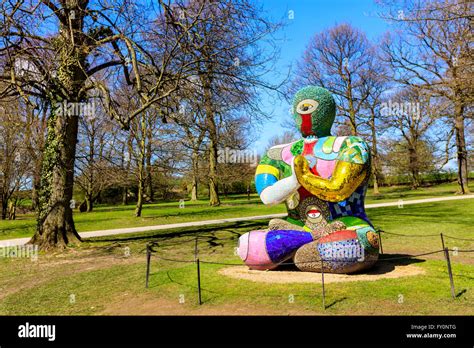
270,187
353,166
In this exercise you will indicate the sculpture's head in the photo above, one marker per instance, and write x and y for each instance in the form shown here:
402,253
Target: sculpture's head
314,110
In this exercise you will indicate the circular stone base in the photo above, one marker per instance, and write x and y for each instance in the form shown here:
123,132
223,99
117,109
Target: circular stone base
380,271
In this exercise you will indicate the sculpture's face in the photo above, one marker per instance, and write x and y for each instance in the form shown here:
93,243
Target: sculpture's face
314,110
314,215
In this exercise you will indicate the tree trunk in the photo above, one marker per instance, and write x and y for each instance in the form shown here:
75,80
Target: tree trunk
213,143
194,188
6,182
124,196
89,203
55,222
195,165
126,166
4,209
461,150
413,156
141,166
149,177
376,186
375,155
34,190
149,185
37,155
139,206
55,227
213,190
352,112
12,209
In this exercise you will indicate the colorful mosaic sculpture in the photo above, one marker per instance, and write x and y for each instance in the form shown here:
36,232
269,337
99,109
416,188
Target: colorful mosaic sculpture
323,181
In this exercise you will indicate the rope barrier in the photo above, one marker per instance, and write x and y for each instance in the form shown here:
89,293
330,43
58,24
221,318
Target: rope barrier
423,235
409,235
161,243
308,262
467,239
197,261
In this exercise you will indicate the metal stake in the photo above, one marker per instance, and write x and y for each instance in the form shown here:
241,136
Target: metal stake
448,261
380,241
196,249
322,282
199,281
148,258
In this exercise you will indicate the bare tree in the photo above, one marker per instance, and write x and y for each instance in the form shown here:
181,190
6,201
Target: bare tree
95,153
410,114
285,138
191,131
340,60
433,51
376,85
14,159
54,50
232,67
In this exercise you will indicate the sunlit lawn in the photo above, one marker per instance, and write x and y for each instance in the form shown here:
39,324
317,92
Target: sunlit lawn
111,217
104,281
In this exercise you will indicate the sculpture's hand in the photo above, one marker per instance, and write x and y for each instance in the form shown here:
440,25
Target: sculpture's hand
345,179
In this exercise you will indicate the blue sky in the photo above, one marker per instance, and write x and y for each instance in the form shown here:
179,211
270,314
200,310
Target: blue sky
310,17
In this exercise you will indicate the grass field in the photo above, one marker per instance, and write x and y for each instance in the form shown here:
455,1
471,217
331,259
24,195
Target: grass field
107,275
110,217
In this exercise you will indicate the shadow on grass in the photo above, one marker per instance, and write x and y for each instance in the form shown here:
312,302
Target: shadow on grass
388,262
385,264
335,302
200,231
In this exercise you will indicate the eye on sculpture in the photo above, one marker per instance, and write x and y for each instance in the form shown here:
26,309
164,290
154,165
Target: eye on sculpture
307,106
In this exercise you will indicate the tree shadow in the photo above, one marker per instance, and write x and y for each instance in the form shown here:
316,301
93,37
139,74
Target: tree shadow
199,231
335,302
387,263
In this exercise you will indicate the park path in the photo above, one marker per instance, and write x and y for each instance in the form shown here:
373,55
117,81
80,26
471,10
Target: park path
103,233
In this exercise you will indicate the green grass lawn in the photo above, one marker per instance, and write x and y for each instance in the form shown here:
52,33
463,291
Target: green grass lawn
110,217
101,278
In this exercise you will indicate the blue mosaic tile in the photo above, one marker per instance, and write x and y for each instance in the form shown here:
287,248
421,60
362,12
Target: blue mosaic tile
282,243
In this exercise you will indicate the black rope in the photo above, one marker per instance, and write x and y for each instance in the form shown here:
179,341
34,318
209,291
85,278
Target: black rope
470,239
410,235
162,243
422,235
410,256
308,262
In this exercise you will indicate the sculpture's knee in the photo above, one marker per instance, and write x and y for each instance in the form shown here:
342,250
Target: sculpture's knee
267,249
344,251
280,224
